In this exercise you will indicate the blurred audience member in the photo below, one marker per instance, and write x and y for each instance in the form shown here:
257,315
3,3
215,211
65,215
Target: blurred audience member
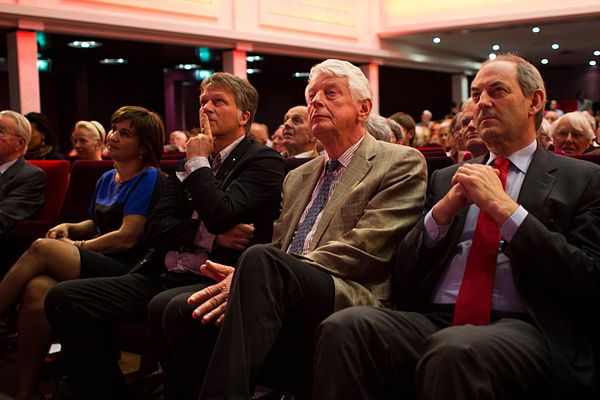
473,141
259,132
41,145
422,135
398,132
21,184
408,123
426,116
378,127
444,135
551,116
88,140
177,142
297,136
434,133
572,133
277,139
553,106
543,134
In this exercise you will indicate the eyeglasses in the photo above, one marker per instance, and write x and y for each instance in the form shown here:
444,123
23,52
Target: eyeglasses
4,131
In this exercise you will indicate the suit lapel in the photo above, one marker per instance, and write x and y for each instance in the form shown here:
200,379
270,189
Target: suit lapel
358,168
224,173
539,180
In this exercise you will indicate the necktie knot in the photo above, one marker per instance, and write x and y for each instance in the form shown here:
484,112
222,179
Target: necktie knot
333,165
502,163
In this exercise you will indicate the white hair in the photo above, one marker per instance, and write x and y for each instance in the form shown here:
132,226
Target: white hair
578,121
22,125
379,128
357,81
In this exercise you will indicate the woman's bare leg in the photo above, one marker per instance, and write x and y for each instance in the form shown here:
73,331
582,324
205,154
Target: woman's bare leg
49,257
35,336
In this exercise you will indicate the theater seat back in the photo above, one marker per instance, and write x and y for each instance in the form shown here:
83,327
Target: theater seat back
57,178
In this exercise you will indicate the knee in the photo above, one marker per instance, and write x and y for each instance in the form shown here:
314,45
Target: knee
450,348
178,311
156,308
35,291
256,259
41,247
342,327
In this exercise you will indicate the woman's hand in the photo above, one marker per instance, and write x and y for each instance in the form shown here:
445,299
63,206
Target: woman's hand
59,231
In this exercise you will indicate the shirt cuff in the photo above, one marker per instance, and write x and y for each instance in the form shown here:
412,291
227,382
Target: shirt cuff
433,232
510,227
203,239
191,165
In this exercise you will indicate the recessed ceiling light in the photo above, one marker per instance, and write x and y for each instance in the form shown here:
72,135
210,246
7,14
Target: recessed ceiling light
84,44
254,58
496,47
492,56
436,40
597,53
544,61
555,46
187,67
301,74
535,29
593,63
113,61
251,71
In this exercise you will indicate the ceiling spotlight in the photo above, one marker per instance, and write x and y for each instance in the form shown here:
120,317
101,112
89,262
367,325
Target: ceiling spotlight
436,40
593,63
301,74
113,61
84,44
254,58
597,52
544,61
251,71
492,56
496,47
187,67
555,46
535,29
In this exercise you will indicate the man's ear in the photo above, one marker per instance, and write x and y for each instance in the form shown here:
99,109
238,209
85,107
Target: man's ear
365,109
244,117
537,102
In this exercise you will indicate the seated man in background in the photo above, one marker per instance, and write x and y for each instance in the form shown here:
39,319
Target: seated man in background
259,132
298,140
227,191
342,215
498,285
22,185
473,141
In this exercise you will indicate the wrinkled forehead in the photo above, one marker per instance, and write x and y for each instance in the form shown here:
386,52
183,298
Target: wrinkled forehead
300,111
8,122
494,72
324,80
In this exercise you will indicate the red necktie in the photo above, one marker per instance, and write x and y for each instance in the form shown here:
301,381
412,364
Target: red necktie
474,301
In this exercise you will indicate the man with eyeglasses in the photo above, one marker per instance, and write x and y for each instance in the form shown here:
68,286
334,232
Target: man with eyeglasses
22,185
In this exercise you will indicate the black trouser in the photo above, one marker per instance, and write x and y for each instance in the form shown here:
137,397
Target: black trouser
275,305
82,313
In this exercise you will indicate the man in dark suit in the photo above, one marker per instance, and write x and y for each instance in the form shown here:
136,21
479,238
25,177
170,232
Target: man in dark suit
22,185
208,209
502,312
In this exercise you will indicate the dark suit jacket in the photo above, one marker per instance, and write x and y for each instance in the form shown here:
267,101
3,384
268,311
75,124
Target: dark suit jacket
247,189
22,189
555,258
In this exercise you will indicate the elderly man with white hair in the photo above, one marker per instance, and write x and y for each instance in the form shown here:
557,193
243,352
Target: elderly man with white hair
22,185
342,214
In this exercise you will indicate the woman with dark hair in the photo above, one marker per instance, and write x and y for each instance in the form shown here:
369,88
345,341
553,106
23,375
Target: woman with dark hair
41,145
107,244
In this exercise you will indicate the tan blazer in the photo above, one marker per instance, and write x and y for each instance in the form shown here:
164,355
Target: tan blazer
378,200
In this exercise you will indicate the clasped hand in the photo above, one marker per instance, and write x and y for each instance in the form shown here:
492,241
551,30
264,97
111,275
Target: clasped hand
212,300
478,184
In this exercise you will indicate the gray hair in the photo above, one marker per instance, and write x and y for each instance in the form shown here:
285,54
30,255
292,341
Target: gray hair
397,129
357,81
22,125
378,127
529,79
578,121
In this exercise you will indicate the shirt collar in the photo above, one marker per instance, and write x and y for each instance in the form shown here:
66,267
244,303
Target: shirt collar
227,150
345,158
520,158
